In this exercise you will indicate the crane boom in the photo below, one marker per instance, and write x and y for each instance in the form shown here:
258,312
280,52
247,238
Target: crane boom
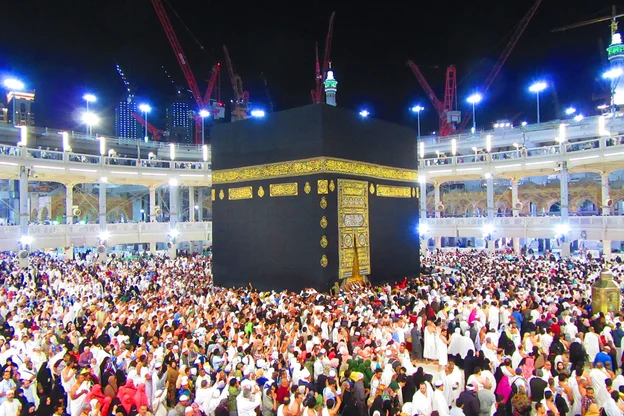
157,134
503,57
177,50
317,78
439,107
240,107
443,109
318,93
587,22
211,83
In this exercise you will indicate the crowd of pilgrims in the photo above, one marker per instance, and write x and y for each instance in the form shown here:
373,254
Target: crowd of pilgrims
482,335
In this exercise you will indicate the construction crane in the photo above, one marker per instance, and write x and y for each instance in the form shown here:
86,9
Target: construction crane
503,58
318,93
447,116
203,102
240,104
267,92
157,134
613,18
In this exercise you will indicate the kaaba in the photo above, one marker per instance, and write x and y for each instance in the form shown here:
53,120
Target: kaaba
308,197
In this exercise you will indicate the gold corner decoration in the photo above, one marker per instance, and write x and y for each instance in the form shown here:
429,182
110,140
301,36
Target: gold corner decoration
324,242
332,186
221,194
323,202
244,192
371,189
283,189
417,192
321,186
389,191
307,188
311,166
261,191
323,222
324,261
413,192
213,194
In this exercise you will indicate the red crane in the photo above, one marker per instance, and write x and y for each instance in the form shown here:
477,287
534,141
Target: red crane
444,109
157,134
203,103
506,52
240,106
318,93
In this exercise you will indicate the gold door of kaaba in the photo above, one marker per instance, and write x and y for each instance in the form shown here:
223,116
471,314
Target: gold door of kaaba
353,231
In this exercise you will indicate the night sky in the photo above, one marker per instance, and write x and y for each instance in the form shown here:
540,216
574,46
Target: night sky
64,48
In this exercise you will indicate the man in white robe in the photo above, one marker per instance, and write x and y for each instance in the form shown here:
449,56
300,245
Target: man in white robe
591,344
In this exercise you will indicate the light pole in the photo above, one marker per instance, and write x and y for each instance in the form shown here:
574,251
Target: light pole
90,119
203,114
537,88
614,74
145,108
474,99
89,98
417,109
13,85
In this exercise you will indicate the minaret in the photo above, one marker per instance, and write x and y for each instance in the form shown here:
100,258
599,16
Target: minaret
330,88
615,53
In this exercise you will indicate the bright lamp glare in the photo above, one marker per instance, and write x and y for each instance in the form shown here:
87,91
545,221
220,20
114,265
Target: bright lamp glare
579,117
613,73
423,229
90,98
14,84
204,113
571,110
562,229
145,108
174,233
602,107
417,109
364,113
173,182
257,113
488,229
104,235
475,98
26,240
524,123
90,118
538,86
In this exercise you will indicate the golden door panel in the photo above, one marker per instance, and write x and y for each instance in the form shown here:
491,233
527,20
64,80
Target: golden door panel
353,231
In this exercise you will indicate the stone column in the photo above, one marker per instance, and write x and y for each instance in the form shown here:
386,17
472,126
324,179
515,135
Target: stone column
606,249
604,180
516,245
514,198
200,203
489,180
152,204
102,206
423,199
174,192
436,196
23,200
191,191
69,203
563,179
